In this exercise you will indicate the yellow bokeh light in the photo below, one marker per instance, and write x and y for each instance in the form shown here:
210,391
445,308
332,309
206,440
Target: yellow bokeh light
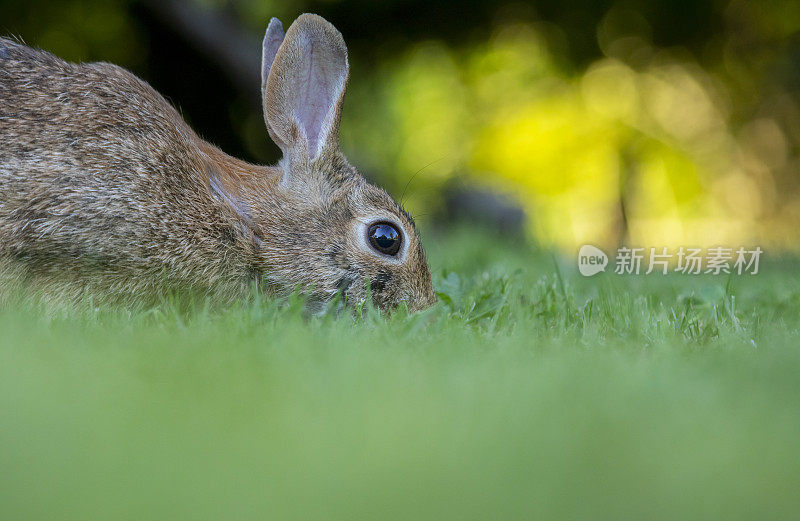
643,155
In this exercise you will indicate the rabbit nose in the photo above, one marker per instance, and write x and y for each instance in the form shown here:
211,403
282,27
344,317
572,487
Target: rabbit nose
424,301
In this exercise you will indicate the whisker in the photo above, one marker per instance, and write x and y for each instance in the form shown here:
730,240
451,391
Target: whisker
415,175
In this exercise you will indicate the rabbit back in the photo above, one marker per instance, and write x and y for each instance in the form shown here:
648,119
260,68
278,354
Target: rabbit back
100,179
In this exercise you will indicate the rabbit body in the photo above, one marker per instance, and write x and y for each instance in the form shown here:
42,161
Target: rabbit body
101,182
104,188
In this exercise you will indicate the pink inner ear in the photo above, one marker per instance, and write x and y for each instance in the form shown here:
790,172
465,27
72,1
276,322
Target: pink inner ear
320,82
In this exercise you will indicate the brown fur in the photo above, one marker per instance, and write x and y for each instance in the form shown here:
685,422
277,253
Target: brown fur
105,189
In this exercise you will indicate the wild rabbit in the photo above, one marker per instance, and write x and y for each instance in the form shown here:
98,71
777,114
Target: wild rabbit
105,189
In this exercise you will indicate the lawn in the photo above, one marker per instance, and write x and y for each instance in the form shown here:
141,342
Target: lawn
527,392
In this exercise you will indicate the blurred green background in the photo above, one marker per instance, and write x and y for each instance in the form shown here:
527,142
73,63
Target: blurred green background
654,123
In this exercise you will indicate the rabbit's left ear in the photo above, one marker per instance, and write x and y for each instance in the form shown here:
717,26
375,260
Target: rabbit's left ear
273,39
303,87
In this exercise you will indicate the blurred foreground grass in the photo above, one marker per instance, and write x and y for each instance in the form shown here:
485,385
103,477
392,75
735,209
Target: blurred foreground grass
528,392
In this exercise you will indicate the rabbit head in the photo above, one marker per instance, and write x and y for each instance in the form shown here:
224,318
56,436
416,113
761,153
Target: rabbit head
318,224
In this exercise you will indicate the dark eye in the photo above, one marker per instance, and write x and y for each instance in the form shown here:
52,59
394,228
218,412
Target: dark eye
385,238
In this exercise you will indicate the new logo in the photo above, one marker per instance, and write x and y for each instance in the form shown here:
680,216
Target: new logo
591,260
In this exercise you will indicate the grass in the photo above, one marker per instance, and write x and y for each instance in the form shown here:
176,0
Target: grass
528,392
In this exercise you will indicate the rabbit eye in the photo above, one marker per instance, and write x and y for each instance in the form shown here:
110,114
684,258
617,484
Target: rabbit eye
385,238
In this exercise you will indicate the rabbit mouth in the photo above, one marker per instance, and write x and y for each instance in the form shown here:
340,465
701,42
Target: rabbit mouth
317,305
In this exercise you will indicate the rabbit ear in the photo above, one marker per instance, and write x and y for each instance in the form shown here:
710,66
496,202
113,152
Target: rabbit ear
304,88
272,41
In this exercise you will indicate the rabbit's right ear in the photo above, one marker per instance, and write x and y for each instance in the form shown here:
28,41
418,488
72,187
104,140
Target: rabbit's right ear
304,86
